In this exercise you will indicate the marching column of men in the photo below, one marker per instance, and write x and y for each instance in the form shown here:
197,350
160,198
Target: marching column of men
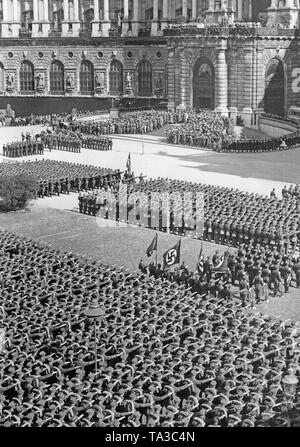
97,143
73,141
62,141
23,148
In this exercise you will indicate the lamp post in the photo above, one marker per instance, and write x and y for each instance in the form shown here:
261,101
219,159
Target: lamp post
289,382
94,311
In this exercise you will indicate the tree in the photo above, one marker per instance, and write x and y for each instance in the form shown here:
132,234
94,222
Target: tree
16,191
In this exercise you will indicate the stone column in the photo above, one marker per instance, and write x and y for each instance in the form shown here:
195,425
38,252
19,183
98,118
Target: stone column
250,11
165,17
239,9
221,83
46,10
96,21
125,19
66,10
194,9
154,24
16,25
76,10
106,21
183,82
46,23
76,22
4,10
184,8
36,20
135,22
15,7
10,29
171,79
35,11
65,22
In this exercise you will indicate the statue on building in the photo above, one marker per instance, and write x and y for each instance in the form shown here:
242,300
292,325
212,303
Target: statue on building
70,81
159,87
99,82
10,81
128,80
128,84
40,82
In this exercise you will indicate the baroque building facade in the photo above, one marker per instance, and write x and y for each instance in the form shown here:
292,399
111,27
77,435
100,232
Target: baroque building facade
190,53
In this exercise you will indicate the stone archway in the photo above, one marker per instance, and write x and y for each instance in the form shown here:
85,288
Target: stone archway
275,88
204,84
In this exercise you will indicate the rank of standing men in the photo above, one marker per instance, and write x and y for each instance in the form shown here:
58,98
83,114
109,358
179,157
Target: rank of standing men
28,146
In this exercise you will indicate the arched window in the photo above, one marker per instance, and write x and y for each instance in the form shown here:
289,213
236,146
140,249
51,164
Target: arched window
145,79
116,78
86,77
204,84
275,88
26,77
2,78
57,77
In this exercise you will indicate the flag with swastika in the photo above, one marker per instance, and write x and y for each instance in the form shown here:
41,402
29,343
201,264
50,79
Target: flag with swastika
172,256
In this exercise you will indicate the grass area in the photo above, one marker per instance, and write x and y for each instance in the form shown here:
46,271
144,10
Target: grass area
122,246
97,238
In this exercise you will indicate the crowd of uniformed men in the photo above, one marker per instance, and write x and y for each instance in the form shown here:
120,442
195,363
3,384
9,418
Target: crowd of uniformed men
68,140
203,129
56,177
56,140
132,123
273,144
28,146
198,129
230,217
175,349
168,356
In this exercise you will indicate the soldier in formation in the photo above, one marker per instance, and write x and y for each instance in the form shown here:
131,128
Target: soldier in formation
56,177
167,355
25,148
230,217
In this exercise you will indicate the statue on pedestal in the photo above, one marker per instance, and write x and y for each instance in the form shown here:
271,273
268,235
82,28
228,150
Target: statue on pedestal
128,84
70,81
40,82
10,83
9,115
99,82
159,87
